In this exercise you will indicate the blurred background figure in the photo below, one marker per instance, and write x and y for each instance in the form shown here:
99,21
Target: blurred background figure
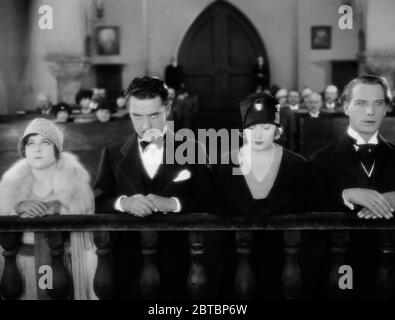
62,112
281,96
259,75
305,93
314,104
121,108
293,100
174,75
83,99
331,94
44,103
103,112
185,107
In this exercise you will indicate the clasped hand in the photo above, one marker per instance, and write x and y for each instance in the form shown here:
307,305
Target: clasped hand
34,209
374,204
141,205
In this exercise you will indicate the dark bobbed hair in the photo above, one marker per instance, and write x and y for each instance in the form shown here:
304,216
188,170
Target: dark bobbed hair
83,94
346,96
147,88
26,139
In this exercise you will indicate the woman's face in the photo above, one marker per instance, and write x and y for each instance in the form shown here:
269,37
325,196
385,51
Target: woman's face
260,136
40,152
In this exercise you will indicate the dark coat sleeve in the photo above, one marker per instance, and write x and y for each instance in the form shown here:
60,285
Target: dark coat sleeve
199,194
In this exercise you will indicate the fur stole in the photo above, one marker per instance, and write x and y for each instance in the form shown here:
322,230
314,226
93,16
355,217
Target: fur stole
71,186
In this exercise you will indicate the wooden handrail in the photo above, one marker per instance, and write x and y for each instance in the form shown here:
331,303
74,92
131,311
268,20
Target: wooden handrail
194,222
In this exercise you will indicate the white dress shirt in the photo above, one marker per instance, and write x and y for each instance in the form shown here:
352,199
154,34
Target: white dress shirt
152,158
330,106
359,141
294,108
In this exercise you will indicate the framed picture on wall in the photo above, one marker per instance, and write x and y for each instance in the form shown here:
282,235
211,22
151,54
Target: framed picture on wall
107,40
321,37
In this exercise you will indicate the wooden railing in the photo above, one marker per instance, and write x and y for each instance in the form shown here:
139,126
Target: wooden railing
196,224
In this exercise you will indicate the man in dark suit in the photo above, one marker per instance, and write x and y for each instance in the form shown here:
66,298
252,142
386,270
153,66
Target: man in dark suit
331,105
314,105
356,174
141,175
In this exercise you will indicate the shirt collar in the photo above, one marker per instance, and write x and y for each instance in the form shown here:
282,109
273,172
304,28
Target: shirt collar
359,140
330,105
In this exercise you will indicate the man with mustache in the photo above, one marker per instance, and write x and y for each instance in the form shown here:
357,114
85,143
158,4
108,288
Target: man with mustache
141,176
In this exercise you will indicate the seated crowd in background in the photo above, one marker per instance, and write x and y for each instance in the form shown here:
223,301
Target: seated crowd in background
90,105
353,174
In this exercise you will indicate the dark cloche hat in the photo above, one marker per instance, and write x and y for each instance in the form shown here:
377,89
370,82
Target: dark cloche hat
61,107
259,108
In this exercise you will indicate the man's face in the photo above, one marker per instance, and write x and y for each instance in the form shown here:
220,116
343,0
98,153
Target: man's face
314,103
148,114
366,109
293,98
330,96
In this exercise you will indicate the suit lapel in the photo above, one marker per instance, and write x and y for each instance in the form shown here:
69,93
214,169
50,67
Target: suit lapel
130,166
167,172
347,163
382,162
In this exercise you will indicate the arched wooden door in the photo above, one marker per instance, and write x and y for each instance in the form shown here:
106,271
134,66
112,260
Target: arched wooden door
218,55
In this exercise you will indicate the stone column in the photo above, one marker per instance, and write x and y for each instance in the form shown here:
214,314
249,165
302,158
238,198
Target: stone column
68,70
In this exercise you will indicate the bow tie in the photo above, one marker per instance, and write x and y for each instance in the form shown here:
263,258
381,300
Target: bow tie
144,144
367,147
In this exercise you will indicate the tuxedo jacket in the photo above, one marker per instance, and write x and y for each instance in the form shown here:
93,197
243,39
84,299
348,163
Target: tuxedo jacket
337,167
334,168
121,172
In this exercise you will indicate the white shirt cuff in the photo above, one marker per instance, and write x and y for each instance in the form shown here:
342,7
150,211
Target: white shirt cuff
117,204
178,203
346,203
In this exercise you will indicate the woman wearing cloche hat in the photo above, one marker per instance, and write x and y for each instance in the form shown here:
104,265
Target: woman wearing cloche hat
48,181
266,179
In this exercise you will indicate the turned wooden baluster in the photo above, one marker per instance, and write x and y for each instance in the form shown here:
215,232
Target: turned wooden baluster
244,278
197,279
385,276
103,281
61,279
150,278
11,286
339,241
291,276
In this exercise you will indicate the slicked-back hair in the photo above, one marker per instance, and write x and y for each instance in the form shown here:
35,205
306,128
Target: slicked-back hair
366,79
147,88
